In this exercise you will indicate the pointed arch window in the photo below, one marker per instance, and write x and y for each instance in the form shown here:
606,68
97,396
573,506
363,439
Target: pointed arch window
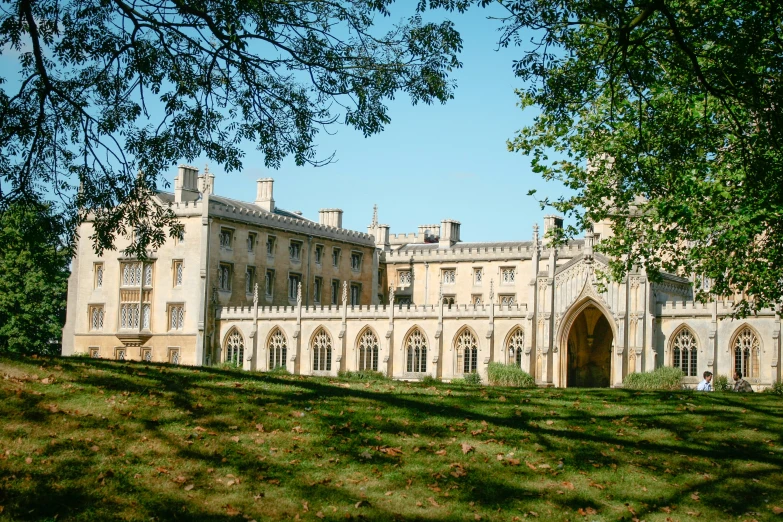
685,353
416,352
235,348
515,346
278,349
467,352
322,351
746,353
368,351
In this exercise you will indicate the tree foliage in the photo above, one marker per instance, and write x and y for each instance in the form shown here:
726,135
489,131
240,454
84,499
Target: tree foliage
108,88
665,117
33,279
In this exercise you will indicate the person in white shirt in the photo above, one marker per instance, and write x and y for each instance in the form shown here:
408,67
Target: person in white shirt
706,384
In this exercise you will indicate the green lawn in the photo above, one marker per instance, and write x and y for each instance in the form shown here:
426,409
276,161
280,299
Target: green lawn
84,439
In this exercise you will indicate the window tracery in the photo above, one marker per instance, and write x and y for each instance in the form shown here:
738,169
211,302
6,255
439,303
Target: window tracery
467,352
235,348
515,346
685,353
322,351
746,353
416,352
278,349
368,351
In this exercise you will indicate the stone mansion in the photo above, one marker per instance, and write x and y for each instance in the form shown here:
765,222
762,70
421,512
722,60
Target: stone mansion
252,284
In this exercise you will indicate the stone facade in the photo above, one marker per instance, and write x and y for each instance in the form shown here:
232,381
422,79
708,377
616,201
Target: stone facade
417,304
164,309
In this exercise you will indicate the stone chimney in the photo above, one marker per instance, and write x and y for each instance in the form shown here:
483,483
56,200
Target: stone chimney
382,237
332,217
551,222
449,233
186,184
428,234
264,196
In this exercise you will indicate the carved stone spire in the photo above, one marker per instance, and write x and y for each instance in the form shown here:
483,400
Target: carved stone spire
255,294
374,216
491,290
345,292
391,294
536,241
299,293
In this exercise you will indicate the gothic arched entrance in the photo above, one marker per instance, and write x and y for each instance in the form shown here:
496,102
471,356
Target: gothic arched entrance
586,344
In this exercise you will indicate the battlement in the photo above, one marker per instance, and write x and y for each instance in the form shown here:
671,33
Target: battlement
369,311
263,218
187,208
694,308
402,239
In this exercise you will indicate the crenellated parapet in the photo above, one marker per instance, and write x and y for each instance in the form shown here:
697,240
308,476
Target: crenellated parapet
262,218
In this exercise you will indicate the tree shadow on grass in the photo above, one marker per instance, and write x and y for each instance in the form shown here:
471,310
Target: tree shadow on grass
730,488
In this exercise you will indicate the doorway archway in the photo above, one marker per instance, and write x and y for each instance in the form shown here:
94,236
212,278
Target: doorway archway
586,343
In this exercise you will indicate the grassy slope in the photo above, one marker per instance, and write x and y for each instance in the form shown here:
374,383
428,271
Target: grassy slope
100,440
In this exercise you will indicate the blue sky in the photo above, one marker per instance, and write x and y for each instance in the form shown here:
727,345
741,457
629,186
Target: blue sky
431,162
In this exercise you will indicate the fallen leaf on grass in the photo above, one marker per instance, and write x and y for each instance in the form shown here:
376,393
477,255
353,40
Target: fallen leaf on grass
467,448
550,422
235,438
587,511
361,503
180,480
567,485
320,514
433,502
440,452
28,460
388,493
305,506
695,496
392,452
230,510
189,487
531,466
777,510
94,448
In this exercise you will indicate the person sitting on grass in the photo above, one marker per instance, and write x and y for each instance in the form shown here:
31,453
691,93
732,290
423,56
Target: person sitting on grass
706,384
740,384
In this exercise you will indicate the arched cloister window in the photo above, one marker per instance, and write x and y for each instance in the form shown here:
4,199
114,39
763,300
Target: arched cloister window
746,353
235,347
416,352
322,351
466,347
278,349
515,345
685,352
368,350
